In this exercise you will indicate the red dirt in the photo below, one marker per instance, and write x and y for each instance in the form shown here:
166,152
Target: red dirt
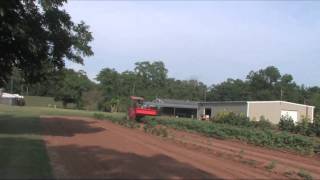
87,148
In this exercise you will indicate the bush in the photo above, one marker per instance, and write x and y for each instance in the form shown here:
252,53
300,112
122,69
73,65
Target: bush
315,126
304,127
232,119
263,123
286,124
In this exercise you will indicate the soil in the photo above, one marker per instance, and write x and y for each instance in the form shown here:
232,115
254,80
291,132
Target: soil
87,148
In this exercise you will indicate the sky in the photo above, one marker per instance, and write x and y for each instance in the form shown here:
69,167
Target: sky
205,40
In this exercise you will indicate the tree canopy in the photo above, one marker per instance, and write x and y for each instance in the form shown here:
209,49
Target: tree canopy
37,37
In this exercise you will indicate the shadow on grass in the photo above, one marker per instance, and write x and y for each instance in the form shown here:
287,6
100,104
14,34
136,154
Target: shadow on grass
32,125
23,158
97,162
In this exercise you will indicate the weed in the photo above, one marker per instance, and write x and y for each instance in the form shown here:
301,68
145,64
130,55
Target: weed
241,153
305,174
271,165
289,173
250,162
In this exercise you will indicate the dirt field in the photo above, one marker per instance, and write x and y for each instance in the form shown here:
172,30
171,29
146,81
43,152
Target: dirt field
87,148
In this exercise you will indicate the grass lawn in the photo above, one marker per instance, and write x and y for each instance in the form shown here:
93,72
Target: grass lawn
41,101
22,150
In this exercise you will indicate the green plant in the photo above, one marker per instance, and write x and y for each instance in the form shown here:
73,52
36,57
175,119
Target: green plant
263,123
241,153
289,173
98,115
305,174
271,165
267,137
303,127
250,162
286,124
232,119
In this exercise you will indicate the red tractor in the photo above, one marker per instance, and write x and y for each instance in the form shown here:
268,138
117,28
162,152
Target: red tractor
138,109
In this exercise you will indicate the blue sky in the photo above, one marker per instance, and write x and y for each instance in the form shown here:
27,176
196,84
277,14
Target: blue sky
208,40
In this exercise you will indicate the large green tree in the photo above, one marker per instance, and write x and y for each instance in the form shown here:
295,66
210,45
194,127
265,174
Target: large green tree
230,90
37,36
73,85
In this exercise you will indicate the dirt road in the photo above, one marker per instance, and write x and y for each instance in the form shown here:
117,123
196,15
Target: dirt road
87,148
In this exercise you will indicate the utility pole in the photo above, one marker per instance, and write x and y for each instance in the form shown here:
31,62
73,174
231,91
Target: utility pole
205,94
305,103
11,86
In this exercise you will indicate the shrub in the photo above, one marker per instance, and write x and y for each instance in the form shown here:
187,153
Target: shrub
232,119
286,124
263,123
305,175
303,127
271,165
315,126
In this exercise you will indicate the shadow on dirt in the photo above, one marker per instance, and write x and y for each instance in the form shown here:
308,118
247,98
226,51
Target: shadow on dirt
97,162
53,126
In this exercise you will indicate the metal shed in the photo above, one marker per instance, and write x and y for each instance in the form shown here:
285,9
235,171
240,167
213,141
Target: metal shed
272,110
173,107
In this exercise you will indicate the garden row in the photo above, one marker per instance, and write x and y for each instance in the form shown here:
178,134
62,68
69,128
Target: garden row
148,127
260,136
304,127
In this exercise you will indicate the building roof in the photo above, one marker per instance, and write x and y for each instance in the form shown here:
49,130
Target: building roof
246,102
173,103
8,95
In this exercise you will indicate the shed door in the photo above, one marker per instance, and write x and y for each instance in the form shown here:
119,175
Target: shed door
292,114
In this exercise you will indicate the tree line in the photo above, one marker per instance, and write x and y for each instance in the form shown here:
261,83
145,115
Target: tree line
150,80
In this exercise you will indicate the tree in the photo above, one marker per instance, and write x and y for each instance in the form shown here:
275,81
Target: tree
154,73
73,85
91,99
36,38
230,90
109,80
262,83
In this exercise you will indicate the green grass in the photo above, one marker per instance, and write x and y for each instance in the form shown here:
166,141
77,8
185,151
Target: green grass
23,153
38,111
41,101
23,157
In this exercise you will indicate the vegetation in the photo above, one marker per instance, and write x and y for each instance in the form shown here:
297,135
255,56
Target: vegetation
150,80
260,137
286,124
42,101
271,165
304,174
303,127
37,37
241,120
23,153
72,87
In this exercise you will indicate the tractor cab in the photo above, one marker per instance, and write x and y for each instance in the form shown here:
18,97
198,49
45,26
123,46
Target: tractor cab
138,109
